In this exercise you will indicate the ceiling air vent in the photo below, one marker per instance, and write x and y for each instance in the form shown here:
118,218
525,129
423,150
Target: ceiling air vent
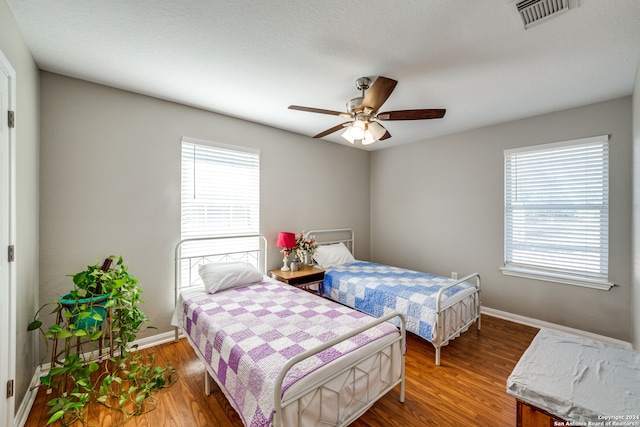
534,12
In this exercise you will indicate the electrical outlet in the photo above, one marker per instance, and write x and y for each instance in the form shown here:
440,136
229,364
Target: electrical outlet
454,275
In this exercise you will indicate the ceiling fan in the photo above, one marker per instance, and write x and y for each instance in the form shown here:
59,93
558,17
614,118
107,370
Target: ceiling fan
363,112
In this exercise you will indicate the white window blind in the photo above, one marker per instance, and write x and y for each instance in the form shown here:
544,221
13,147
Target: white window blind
557,212
220,197
220,190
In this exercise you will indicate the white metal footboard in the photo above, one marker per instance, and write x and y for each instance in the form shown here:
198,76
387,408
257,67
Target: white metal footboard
444,335
355,407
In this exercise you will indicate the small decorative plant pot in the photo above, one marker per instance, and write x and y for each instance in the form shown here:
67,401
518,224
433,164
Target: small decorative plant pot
92,317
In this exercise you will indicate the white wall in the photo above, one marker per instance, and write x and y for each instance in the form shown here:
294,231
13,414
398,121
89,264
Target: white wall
14,48
635,304
110,183
437,206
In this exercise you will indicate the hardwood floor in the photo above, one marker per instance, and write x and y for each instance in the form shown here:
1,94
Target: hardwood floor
468,389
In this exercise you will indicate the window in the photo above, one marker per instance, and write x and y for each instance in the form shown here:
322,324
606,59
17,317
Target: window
220,195
557,212
220,190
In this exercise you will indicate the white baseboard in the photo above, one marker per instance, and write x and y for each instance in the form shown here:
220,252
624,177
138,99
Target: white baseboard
30,397
542,324
22,413
155,340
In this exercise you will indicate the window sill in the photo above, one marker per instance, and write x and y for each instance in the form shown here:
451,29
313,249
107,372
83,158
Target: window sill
556,278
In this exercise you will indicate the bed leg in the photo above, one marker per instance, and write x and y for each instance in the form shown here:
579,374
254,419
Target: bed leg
437,356
403,371
207,384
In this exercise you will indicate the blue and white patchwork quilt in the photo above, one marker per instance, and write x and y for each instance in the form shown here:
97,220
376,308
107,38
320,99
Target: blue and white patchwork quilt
378,289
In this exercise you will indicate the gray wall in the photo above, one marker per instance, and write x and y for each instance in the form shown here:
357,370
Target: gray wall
110,183
636,212
27,115
437,206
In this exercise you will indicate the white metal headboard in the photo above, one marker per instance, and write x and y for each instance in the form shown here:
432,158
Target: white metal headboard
333,236
191,253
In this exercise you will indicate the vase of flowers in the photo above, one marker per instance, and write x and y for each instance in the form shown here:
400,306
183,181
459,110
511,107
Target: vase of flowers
305,248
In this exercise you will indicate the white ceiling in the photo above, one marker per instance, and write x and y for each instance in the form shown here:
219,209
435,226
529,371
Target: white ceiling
252,59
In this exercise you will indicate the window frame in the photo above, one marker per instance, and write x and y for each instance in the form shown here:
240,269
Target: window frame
212,241
255,203
546,273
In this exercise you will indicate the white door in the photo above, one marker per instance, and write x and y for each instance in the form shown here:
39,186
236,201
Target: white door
7,326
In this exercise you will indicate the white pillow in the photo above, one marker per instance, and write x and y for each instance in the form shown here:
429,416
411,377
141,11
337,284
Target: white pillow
332,255
217,277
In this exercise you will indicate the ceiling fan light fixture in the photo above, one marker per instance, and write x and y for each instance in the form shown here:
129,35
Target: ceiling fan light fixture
357,129
376,129
368,138
347,135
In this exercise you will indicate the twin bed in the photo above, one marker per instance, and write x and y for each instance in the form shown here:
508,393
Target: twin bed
284,356
281,355
435,308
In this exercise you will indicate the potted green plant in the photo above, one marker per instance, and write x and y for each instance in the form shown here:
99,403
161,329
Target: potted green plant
103,304
86,304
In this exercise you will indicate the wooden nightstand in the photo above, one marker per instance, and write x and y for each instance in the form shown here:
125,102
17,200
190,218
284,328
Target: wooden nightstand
307,275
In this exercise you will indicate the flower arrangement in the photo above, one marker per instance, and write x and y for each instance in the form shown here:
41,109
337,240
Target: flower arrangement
305,247
286,251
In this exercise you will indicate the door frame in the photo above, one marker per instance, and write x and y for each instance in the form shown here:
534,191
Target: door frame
9,354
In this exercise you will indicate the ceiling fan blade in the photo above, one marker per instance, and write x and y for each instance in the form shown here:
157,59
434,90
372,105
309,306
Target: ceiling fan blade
433,113
331,130
386,135
319,110
378,93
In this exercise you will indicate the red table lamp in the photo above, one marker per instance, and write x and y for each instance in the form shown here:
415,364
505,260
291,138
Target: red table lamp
286,241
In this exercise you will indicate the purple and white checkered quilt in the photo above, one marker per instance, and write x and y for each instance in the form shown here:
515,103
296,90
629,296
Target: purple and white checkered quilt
247,334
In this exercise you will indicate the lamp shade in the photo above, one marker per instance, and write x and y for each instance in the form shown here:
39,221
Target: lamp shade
368,138
357,129
286,240
377,130
347,135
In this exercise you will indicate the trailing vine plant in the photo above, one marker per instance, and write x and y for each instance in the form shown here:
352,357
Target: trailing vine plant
113,375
